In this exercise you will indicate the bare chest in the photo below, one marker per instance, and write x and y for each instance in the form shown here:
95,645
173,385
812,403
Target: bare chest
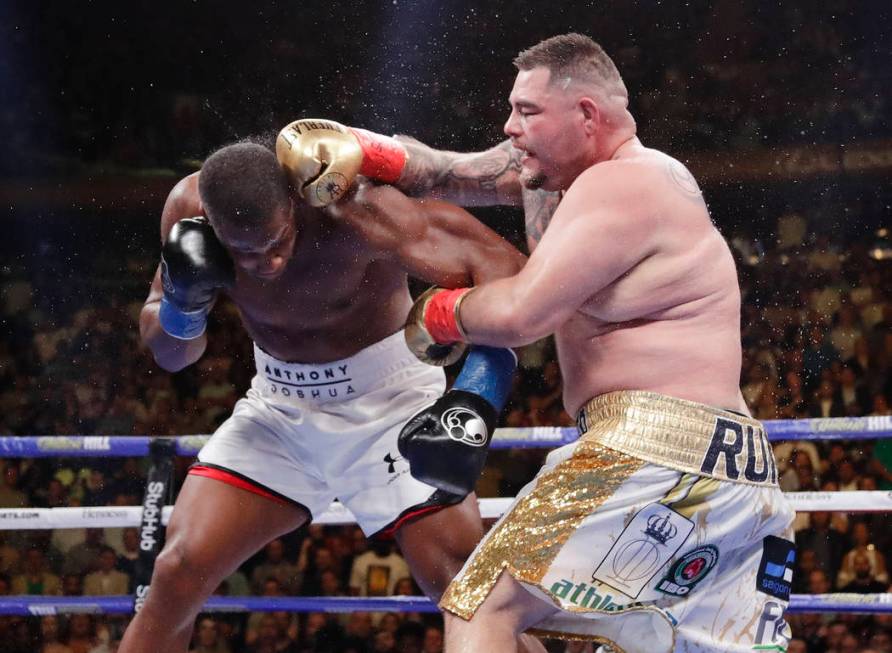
333,299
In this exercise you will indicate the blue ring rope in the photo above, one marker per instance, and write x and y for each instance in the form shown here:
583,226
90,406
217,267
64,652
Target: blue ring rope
45,605
100,446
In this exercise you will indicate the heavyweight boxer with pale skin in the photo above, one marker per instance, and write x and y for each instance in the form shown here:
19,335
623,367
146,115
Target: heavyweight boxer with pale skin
662,528
323,293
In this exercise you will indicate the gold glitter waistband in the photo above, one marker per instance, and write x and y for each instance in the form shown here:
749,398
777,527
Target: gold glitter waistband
681,435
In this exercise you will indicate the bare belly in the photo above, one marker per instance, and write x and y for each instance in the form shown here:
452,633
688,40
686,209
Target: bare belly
310,321
690,359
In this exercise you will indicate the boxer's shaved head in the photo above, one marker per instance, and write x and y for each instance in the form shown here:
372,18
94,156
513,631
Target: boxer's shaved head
242,183
574,58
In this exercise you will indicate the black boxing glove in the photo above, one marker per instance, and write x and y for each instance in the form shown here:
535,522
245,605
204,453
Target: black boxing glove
446,443
194,267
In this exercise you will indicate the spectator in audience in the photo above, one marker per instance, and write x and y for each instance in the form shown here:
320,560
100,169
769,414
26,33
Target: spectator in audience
10,494
272,588
72,585
276,566
207,637
130,554
409,637
851,395
49,636
375,572
106,580
433,640
864,581
84,557
827,401
35,578
9,554
81,633
828,544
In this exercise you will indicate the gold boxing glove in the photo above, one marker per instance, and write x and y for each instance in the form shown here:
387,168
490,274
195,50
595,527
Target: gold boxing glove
433,328
323,158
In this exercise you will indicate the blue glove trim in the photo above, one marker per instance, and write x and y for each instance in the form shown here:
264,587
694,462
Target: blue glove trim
488,372
181,324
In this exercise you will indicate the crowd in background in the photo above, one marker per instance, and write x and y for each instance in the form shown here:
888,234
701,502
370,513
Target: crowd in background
817,337
703,75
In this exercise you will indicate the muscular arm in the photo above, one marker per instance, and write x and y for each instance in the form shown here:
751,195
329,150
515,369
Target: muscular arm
599,232
171,353
432,240
469,179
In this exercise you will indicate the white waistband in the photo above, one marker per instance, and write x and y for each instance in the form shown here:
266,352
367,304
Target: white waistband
341,380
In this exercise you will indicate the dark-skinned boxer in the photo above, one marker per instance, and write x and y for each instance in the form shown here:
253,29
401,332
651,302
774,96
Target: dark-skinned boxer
323,293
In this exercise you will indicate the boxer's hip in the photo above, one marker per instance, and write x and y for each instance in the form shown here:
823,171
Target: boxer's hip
386,363
632,529
681,435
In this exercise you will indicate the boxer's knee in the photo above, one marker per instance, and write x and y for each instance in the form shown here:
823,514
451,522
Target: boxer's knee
179,569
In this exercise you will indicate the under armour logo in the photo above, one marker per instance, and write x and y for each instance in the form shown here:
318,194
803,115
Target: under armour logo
391,463
166,283
465,426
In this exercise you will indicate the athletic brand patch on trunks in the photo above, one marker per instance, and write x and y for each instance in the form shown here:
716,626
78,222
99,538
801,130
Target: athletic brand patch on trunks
775,573
647,543
586,596
688,570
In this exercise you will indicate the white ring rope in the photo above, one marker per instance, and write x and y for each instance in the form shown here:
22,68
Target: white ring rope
337,513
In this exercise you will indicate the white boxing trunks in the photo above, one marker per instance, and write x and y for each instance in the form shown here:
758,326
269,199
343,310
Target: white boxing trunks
310,433
661,529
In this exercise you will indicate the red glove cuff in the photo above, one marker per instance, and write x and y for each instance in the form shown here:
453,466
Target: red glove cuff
440,317
384,158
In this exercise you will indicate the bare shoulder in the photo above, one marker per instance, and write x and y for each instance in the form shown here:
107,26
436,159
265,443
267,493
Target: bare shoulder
648,182
182,202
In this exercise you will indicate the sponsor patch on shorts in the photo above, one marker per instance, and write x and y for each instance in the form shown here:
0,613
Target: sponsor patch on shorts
688,570
775,574
646,544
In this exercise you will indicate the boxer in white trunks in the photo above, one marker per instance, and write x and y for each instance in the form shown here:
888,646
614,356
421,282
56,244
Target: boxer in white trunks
323,293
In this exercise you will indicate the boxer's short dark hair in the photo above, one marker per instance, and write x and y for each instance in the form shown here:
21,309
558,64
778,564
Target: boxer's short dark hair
243,183
571,55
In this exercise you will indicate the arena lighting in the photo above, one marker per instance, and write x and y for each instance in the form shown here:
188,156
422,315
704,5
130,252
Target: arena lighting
882,248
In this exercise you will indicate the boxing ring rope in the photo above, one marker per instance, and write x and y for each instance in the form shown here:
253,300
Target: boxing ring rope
44,605
851,428
130,516
51,446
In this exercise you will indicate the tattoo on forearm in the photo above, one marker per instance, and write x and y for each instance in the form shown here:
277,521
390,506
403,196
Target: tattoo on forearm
684,180
487,175
539,206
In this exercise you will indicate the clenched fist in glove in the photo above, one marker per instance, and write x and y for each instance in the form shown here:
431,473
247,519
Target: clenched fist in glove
194,268
323,158
446,444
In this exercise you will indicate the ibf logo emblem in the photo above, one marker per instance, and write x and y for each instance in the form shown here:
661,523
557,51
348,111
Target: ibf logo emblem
465,426
689,570
728,442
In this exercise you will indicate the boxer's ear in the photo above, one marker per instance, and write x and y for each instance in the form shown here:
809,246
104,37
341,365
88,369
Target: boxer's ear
591,114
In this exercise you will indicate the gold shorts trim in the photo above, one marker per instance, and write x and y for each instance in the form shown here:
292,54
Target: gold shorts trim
681,435
530,536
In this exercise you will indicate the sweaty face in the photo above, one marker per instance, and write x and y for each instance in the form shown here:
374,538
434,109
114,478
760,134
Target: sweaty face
262,250
547,125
